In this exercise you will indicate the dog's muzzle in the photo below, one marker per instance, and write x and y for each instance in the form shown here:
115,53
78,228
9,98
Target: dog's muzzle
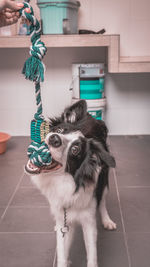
32,169
54,140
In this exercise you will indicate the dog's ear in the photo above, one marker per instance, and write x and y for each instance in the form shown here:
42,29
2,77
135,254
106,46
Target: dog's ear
95,157
75,112
101,154
85,173
82,166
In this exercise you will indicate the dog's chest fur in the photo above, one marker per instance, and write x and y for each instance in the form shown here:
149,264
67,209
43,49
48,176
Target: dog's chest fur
60,192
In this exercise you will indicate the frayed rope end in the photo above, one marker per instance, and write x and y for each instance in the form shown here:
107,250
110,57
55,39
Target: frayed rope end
33,69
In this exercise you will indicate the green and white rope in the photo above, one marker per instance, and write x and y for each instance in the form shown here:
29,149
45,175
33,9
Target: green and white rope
38,115
38,154
33,70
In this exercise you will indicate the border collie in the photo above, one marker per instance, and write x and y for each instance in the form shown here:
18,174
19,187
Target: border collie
76,182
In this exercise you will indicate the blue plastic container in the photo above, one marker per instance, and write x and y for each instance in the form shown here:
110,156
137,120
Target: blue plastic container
59,17
92,89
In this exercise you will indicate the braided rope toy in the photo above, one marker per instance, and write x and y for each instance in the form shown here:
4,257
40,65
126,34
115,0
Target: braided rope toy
33,70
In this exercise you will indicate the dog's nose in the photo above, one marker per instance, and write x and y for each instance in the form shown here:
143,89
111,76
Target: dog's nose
54,140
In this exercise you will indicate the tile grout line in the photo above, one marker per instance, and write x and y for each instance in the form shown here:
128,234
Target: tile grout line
50,233
134,186
11,198
28,207
121,214
122,220
27,186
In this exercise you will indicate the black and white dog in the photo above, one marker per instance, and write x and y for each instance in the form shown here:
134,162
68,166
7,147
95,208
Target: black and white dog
76,182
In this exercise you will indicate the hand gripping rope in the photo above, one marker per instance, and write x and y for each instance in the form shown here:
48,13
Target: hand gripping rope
33,70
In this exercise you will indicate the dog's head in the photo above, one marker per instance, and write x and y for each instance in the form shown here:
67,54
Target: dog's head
78,156
74,123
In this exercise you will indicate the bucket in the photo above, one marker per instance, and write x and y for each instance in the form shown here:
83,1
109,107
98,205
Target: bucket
59,17
92,88
96,113
95,107
4,137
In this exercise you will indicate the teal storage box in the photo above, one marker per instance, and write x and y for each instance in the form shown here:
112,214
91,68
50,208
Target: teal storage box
92,89
59,17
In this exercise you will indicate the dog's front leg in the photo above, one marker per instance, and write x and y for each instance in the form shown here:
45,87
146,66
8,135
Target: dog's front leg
106,220
63,246
90,236
61,256
68,241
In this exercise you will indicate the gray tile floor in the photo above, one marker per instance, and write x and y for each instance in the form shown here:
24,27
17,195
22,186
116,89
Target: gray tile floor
27,237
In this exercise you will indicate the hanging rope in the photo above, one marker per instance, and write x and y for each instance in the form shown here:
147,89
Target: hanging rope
38,115
33,70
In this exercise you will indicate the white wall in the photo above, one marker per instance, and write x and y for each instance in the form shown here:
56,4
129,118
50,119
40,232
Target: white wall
128,95
128,105
129,18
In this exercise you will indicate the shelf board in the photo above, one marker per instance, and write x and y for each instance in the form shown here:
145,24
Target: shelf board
134,64
57,41
137,59
116,64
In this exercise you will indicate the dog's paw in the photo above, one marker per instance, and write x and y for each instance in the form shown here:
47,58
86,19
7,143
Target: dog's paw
69,263
61,263
109,225
91,264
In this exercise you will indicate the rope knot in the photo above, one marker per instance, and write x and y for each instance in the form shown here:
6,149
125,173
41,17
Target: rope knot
39,154
34,68
38,50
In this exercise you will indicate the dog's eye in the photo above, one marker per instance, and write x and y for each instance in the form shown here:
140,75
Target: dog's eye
75,150
59,130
